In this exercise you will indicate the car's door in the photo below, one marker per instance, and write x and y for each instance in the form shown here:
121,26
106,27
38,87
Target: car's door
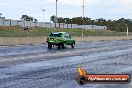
69,40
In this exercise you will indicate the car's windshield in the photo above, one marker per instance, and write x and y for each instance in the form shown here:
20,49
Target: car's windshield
55,34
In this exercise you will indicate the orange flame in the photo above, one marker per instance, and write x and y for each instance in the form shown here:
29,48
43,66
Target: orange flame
81,71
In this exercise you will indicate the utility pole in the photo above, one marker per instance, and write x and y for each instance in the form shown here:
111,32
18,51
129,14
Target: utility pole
56,14
83,18
127,30
0,15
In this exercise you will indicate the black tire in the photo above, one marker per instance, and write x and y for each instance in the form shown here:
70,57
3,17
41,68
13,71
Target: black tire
73,45
49,46
63,46
58,47
82,81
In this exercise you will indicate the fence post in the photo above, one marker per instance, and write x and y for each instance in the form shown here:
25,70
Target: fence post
30,23
10,22
92,26
41,24
3,23
59,24
24,23
17,22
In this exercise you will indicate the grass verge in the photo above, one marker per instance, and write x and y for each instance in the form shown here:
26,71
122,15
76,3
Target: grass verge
33,32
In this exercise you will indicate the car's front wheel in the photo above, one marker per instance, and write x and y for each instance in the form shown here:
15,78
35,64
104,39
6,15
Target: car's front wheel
49,46
63,46
73,44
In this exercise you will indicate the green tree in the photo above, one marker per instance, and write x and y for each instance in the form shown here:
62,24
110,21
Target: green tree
27,18
61,20
53,18
113,25
35,20
1,16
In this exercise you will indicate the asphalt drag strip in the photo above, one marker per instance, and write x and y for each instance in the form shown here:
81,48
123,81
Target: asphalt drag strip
56,68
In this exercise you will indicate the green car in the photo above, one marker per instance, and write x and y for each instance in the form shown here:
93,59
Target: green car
60,39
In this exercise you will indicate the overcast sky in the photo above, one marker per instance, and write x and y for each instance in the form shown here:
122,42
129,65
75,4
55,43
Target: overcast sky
108,9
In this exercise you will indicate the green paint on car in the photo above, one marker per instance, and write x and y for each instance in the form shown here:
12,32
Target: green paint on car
60,39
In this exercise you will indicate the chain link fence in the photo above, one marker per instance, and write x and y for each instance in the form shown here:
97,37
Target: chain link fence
8,22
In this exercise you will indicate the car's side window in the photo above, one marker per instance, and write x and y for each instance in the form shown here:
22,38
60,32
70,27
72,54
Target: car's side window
68,36
65,35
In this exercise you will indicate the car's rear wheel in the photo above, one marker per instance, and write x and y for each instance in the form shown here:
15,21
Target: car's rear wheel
49,46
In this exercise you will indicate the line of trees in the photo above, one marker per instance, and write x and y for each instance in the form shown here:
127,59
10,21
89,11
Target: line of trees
113,25
1,16
28,18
